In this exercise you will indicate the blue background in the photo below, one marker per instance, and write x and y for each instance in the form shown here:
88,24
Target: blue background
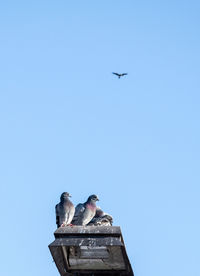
68,124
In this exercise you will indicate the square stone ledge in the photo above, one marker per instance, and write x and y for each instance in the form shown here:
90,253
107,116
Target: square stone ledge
90,250
88,230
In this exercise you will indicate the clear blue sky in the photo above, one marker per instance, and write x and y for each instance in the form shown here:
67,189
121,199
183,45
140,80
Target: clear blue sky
68,124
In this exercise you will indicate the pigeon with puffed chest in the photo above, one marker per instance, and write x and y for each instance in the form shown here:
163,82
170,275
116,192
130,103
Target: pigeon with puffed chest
64,210
85,212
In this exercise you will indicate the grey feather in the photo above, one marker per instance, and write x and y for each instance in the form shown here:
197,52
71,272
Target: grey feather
85,212
101,218
64,210
80,208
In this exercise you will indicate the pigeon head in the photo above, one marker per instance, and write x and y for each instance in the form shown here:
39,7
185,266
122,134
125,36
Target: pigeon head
64,196
93,198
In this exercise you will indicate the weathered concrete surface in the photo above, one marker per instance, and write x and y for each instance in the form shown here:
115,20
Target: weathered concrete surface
90,250
97,230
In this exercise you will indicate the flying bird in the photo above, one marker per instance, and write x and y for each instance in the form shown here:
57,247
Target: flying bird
85,212
120,75
64,210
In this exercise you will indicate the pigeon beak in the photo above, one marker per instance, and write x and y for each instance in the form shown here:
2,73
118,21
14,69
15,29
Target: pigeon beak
97,199
69,195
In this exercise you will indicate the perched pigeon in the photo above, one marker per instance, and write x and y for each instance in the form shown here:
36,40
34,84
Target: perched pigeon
64,210
85,211
120,75
101,218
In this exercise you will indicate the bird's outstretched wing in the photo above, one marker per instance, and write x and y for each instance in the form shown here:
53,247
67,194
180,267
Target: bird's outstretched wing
116,74
124,74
